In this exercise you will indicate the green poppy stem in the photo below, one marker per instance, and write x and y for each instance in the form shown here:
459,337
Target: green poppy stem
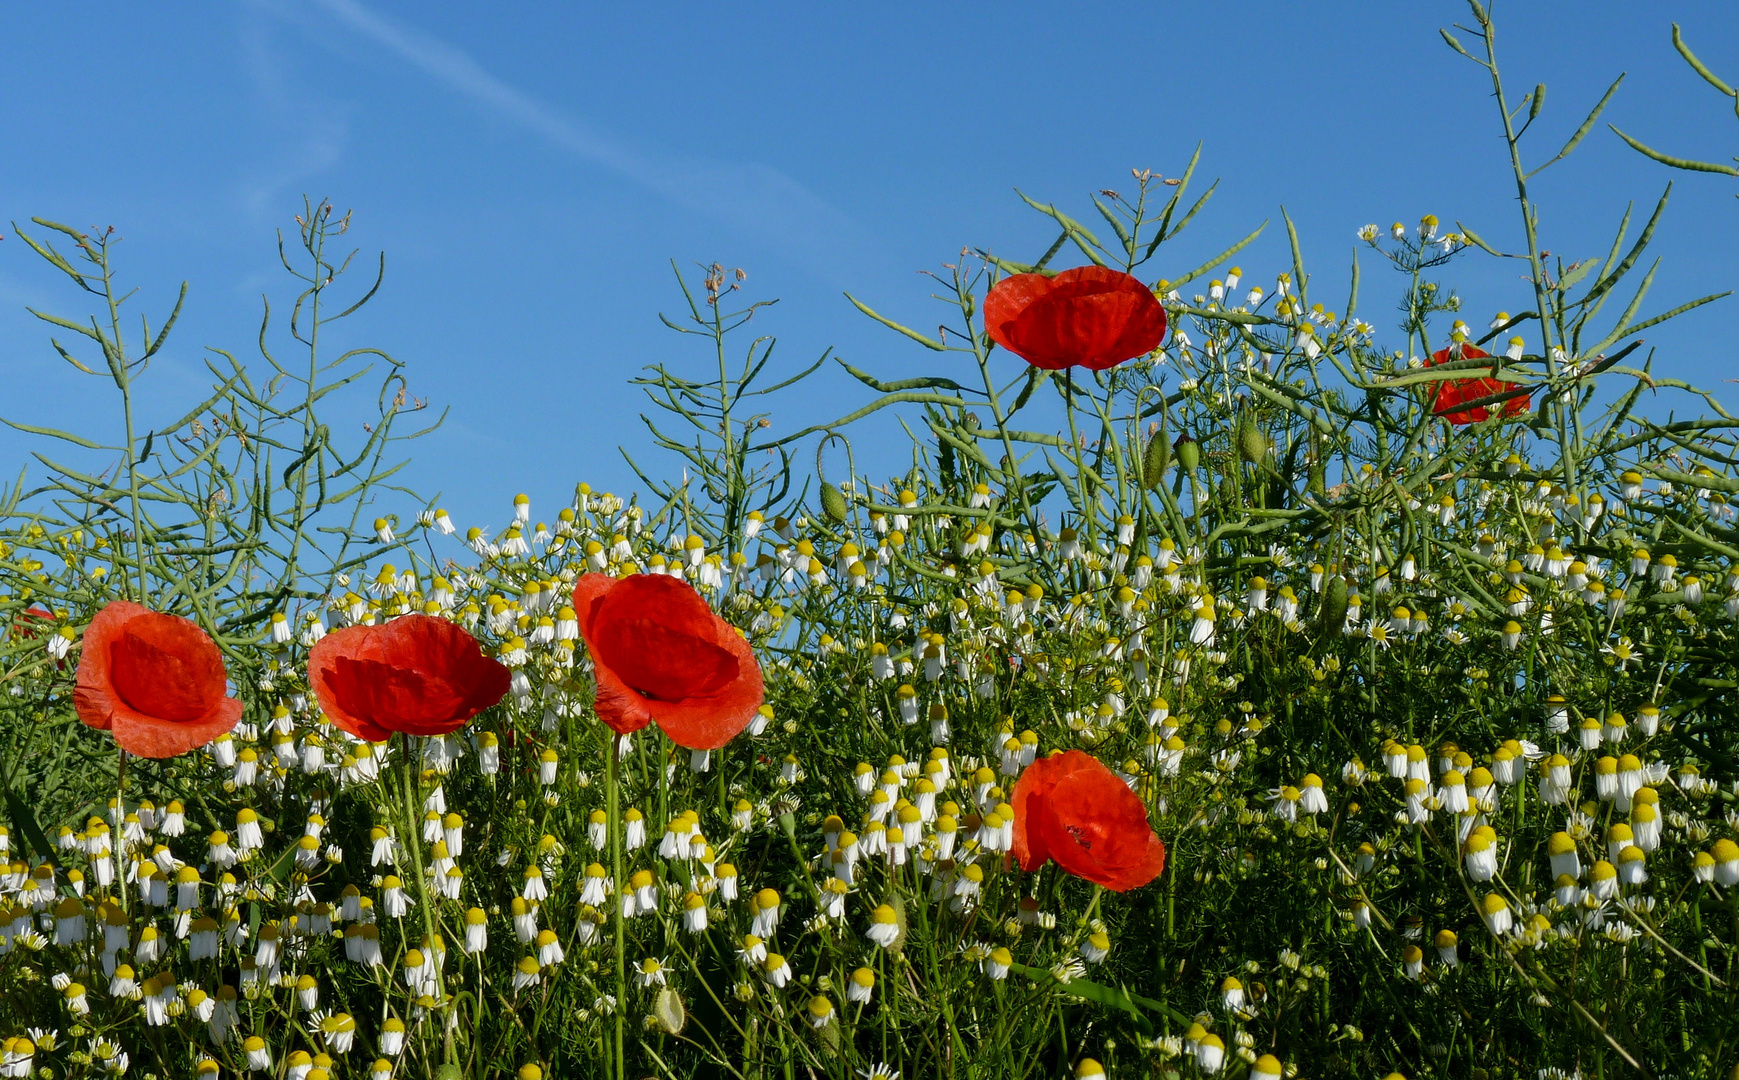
613,801
413,842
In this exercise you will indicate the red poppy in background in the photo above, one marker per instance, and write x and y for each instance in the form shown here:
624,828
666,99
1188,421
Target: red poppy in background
24,628
1091,317
156,681
1073,810
417,674
660,654
1452,393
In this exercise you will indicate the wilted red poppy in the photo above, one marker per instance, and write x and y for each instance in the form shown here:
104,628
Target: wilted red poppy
157,681
1452,393
417,674
1091,317
659,653
1071,809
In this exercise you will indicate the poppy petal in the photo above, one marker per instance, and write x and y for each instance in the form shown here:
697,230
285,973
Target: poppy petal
156,681
621,707
1004,303
166,667
709,722
589,592
659,636
1090,316
93,694
1452,393
1101,832
1032,812
417,674
660,654
149,736
1071,809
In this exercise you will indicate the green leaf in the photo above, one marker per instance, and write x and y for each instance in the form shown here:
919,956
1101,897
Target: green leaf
1165,231
1577,271
69,357
1116,226
1109,996
67,324
1473,238
1455,44
163,334
1611,277
1086,241
55,258
1297,255
23,817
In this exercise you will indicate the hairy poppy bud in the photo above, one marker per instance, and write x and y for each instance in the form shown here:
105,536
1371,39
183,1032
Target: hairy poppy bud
1334,604
1189,453
1252,444
833,502
1155,459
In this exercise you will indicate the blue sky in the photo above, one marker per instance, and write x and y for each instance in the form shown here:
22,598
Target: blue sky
530,171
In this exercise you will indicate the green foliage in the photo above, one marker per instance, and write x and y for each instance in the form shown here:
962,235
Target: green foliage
1374,674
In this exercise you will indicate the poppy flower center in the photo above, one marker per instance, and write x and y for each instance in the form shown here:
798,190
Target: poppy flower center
162,667
1081,836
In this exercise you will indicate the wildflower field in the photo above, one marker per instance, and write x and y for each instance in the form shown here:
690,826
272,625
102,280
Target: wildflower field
1230,687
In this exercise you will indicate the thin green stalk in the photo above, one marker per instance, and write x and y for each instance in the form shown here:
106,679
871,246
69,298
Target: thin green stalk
613,811
413,841
1536,263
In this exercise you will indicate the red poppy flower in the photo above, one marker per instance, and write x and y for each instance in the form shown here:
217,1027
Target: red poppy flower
417,674
1452,393
1073,810
22,626
156,681
1091,316
659,653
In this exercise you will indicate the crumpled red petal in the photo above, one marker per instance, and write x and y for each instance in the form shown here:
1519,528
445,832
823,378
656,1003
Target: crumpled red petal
418,674
156,682
660,654
1452,393
1072,810
1090,316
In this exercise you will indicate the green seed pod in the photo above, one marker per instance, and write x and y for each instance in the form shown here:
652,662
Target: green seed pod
833,503
1334,604
1252,444
1155,459
1189,453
